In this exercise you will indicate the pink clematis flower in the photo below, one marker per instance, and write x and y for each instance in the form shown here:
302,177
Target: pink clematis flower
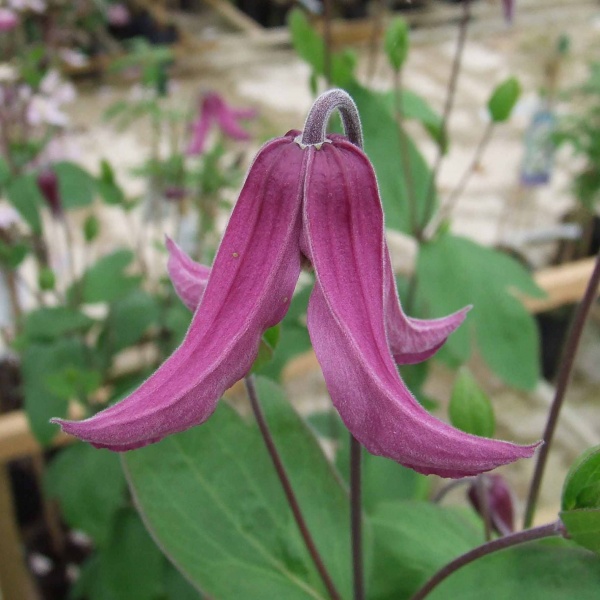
508,8
306,196
8,20
214,111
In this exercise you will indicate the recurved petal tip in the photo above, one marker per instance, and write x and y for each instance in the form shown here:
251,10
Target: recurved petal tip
189,278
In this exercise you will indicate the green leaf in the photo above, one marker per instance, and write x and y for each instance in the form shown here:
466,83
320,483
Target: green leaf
417,108
72,382
177,587
266,348
76,186
383,147
90,488
12,255
503,100
108,187
46,279
49,323
130,567
582,484
129,318
91,228
39,362
454,272
583,526
415,539
212,500
105,280
396,42
310,47
23,193
470,408
544,570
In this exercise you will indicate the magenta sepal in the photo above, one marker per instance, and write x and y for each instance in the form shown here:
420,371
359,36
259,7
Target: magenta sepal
318,202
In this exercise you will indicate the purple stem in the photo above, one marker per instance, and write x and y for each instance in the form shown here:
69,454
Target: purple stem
288,490
508,541
449,104
356,518
562,381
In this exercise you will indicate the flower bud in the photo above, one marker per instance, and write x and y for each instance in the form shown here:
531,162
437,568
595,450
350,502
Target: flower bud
499,500
48,185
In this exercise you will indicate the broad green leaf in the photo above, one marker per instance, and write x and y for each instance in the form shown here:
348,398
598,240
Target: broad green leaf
396,42
177,587
49,323
90,488
544,570
23,193
129,318
129,567
503,100
212,500
415,539
12,255
77,187
293,340
310,47
383,147
582,484
108,187
454,272
383,479
73,382
470,408
583,526
266,348
415,107
105,281
39,362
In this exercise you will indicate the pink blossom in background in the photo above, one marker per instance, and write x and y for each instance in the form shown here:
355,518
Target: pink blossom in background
508,7
36,6
8,20
118,15
316,202
45,107
215,112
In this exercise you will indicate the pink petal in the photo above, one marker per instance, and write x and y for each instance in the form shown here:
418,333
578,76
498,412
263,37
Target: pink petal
200,129
249,290
343,222
189,278
413,340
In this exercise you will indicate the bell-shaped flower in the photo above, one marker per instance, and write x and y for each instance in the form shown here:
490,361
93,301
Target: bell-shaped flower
306,196
215,112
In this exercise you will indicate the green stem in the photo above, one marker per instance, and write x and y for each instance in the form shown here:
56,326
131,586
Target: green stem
564,376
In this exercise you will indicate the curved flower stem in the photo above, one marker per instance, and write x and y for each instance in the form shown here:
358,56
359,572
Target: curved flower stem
564,376
449,104
356,517
287,488
508,541
315,126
